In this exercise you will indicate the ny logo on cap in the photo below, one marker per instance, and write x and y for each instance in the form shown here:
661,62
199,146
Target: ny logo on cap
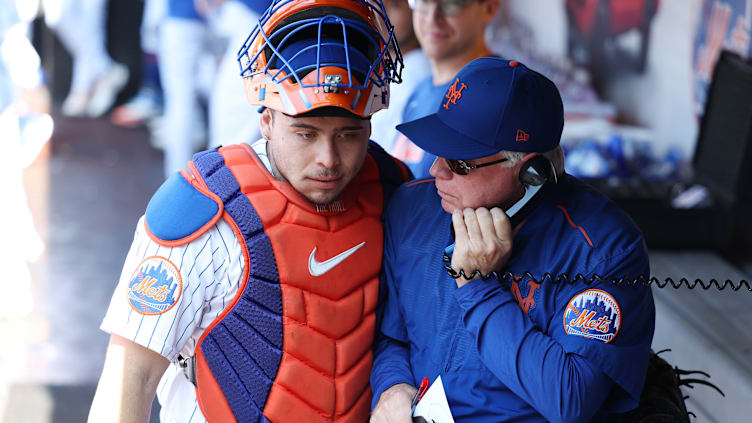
454,94
522,136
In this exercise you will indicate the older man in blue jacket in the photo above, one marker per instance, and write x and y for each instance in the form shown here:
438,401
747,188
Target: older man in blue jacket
514,347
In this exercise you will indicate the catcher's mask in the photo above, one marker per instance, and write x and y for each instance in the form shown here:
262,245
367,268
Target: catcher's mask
308,54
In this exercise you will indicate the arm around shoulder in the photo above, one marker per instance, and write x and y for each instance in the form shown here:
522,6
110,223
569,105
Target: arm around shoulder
128,383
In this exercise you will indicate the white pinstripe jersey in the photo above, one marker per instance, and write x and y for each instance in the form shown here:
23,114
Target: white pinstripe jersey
210,269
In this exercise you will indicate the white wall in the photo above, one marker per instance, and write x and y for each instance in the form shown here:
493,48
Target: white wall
548,20
662,98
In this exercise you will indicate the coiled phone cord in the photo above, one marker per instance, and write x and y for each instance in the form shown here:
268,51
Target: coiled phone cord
595,279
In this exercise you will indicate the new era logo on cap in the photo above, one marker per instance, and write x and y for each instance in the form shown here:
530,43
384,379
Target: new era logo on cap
454,94
522,136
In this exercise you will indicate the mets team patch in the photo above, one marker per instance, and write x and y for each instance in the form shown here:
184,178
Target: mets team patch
155,286
593,314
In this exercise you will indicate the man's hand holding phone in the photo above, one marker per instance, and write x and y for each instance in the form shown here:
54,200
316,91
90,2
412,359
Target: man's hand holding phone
483,241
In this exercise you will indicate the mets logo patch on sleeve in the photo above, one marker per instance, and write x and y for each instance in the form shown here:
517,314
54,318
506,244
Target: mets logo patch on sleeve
155,286
593,314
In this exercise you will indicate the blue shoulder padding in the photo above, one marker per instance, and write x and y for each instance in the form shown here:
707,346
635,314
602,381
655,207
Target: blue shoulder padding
244,351
177,210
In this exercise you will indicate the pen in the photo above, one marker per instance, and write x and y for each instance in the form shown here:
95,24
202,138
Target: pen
418,395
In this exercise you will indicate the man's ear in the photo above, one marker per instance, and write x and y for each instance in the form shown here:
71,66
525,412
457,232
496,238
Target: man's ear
544,169
524,160
266,122
491,8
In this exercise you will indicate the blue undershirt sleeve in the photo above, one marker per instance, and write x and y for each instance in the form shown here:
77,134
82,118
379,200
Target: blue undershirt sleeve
391,366
391,363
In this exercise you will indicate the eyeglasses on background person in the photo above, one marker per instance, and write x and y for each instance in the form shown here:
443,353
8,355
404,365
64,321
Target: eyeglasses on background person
447,7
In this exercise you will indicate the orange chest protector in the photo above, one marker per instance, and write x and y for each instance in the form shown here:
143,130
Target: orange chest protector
294,345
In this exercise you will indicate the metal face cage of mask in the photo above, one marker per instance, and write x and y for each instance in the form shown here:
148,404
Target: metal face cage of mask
319,53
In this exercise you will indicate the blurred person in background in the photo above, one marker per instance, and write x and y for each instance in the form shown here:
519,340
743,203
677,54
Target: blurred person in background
97,79
231,119
25,126
193,74
186,69
146,106
451,34
417,68
292,219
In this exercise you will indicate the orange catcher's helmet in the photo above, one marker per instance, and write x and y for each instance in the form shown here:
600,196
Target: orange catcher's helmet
308,54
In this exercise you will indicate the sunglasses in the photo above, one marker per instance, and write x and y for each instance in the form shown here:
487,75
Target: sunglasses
460,167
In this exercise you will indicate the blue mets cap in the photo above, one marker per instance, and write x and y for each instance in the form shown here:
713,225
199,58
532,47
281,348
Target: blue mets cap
493,105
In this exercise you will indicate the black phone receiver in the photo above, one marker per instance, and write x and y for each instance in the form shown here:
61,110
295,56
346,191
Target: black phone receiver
537,176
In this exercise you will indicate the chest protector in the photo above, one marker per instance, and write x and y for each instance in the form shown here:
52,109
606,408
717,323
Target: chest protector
294,345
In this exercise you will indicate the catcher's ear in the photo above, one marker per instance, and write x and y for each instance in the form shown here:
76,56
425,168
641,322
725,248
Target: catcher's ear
266,122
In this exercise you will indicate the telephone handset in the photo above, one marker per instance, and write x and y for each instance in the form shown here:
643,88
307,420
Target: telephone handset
537,176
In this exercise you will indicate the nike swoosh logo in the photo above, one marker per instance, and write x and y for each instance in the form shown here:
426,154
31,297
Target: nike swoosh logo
316,268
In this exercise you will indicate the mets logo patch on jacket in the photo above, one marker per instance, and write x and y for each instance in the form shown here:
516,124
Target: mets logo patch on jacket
155,286
593,314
